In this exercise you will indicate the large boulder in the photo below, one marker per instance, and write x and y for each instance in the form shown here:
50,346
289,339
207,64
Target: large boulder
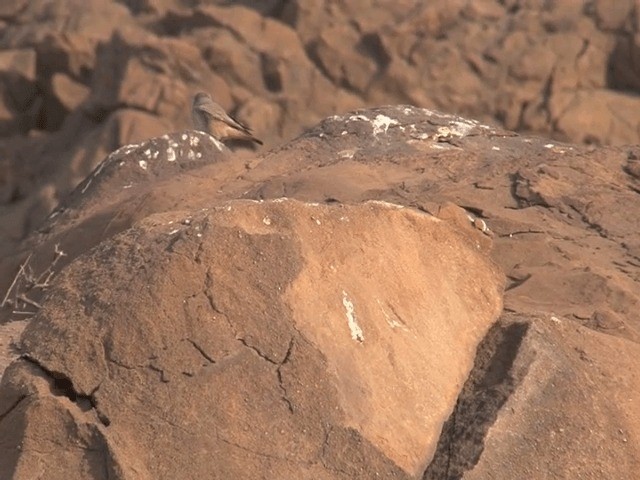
310,341
558,363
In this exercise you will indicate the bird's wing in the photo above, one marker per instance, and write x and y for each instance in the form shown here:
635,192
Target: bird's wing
212,110
216,112
237,124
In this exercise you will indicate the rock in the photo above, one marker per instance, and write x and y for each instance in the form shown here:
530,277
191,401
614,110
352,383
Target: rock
272,319
18,91
69,54
9,339
273,61
613,16
286,71
337,53
11,8
558,218
623,74
554,216
33,22
138,70
66,95
526,369
580,116
119,192
439,57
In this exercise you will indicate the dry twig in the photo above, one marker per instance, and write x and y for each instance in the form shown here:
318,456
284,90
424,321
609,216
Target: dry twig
21,271
27,280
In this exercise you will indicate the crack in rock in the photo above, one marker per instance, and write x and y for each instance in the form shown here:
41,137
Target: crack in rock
62,385
200,350
285,398
491,382
163,377
244,342
12,407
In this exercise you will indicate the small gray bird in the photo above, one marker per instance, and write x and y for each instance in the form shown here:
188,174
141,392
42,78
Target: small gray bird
211,118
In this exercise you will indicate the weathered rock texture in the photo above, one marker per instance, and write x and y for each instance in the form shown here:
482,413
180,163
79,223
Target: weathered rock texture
268,337
81,78
174,273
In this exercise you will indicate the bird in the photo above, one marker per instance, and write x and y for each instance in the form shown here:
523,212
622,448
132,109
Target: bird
211,118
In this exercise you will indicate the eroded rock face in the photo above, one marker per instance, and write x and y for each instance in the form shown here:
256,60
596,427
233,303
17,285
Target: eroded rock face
92,76
268,336
557,218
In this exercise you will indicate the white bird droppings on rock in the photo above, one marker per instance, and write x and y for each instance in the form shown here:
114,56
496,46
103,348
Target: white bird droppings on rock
101,167
356,331
84,189
461,128
385,204
421,136
347,153
359,117
382,123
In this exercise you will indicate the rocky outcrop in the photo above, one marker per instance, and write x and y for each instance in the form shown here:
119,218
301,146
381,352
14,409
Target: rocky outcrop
185,274
83,78
268,336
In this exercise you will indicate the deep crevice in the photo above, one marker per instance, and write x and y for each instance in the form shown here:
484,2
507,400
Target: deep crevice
15,404
515,282
491,382
271,73
599,229
62,386
523,194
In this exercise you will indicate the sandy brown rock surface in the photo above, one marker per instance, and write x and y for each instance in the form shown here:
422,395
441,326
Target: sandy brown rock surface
79,79
319,336
270,336
115,230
